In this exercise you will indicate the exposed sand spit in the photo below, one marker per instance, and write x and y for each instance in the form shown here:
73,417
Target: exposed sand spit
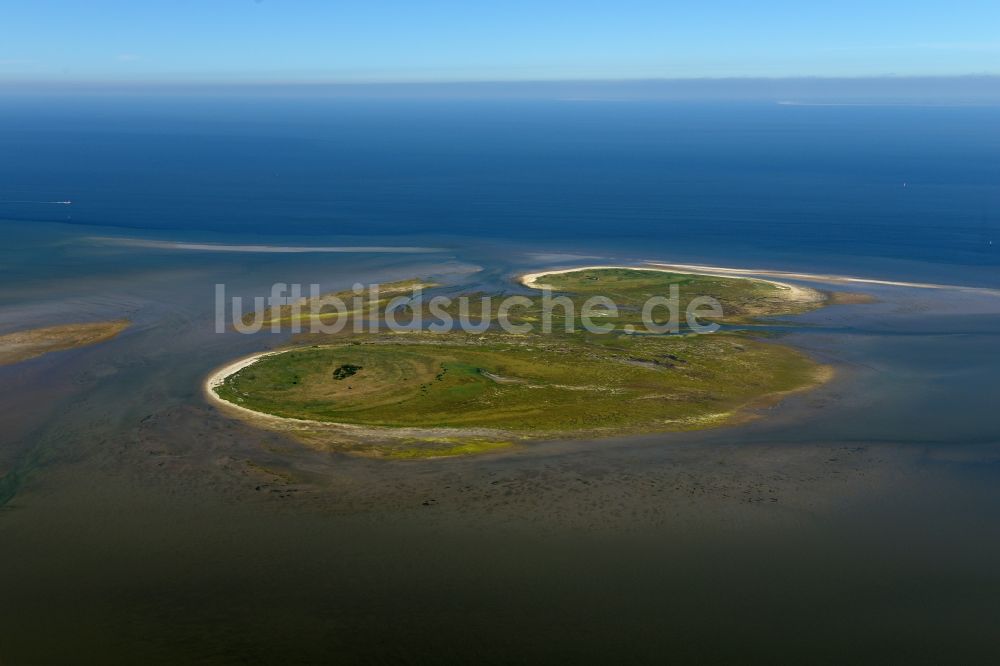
23,345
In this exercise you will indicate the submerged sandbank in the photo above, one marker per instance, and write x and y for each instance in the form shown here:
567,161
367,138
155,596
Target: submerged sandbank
23,345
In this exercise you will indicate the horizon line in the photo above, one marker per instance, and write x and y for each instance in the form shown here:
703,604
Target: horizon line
498,81
936,90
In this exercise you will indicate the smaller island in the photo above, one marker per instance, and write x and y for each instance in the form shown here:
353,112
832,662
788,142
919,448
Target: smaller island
744,299
32,343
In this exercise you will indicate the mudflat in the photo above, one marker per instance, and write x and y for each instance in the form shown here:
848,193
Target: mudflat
23,345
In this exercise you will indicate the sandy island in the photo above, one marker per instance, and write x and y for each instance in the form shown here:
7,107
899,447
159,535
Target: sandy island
23,345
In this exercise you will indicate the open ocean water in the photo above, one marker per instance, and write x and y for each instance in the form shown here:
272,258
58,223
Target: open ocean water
813,184
856,522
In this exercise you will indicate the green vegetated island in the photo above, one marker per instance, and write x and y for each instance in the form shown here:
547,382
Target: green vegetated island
422,394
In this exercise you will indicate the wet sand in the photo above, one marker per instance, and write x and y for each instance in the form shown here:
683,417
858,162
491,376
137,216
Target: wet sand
31,343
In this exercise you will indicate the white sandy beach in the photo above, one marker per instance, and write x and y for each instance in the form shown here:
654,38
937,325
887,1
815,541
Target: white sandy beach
722,271
794,292
215,380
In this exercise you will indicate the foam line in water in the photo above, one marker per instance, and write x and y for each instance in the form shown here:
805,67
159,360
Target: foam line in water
218,247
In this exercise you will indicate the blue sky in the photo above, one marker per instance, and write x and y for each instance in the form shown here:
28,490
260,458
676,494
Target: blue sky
470,40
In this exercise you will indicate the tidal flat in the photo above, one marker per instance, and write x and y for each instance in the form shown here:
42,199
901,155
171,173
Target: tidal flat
145,524
26,344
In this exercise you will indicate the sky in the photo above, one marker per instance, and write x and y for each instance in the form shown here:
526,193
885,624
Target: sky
360,41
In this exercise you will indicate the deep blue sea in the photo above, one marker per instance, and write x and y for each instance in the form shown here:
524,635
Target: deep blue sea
798,186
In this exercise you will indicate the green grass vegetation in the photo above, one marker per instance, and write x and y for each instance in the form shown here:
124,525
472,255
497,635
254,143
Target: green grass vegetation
420,394
742,299
441,447
530,387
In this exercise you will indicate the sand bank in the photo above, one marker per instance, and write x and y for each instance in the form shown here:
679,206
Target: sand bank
23,345
815,277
